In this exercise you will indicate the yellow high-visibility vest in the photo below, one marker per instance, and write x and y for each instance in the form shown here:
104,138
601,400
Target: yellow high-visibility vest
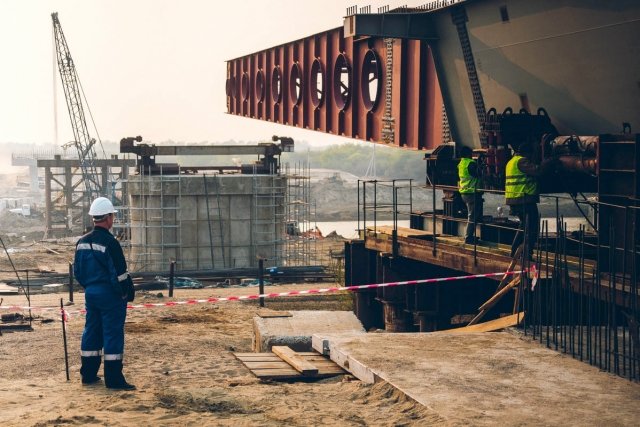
518,185
467,183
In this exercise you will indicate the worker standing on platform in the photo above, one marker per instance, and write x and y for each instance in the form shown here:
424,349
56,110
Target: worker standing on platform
522,194
101,269
469,188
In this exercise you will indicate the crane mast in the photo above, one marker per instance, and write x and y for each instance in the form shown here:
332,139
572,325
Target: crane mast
83,142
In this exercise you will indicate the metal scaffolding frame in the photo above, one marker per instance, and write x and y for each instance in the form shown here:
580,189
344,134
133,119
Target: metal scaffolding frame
267,231
280,221
300,234
216,231
154,254
66,201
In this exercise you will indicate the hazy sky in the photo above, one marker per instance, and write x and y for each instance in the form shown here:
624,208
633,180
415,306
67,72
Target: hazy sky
154,68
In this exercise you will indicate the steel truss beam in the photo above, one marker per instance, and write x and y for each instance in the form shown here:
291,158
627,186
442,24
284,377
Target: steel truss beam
371,88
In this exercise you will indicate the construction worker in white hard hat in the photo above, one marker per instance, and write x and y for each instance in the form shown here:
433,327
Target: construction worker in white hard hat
101,269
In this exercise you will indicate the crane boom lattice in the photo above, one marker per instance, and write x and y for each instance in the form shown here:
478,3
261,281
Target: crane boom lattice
83,142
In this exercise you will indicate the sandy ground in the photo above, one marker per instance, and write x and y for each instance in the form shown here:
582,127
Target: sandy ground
487,379
182,363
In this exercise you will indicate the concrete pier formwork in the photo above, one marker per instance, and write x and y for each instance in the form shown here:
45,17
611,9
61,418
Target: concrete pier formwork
205,221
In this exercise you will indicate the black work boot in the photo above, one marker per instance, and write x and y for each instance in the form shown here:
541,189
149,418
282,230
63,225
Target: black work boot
89,369
113,377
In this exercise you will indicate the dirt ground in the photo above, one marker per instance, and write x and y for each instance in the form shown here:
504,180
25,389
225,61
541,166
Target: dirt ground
489,379
182,363
181,359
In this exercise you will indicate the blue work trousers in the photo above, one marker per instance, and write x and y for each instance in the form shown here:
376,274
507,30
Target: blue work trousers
104,327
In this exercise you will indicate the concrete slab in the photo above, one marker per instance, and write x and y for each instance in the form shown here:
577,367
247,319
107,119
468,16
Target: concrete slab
295,331
493,378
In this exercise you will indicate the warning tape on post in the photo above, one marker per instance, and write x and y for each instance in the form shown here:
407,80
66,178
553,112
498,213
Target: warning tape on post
214,300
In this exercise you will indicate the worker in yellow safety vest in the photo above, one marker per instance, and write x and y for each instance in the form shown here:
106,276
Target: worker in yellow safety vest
522,194
469,188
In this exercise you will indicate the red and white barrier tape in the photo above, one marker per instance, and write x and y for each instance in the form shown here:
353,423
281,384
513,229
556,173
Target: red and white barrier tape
284,294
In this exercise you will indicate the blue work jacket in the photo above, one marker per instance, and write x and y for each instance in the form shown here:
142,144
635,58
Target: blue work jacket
99,263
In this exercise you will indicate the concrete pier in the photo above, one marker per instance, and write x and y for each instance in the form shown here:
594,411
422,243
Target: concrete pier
206,222
295,328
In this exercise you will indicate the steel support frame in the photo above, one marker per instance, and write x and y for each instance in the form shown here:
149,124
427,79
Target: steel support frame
68,192
415,98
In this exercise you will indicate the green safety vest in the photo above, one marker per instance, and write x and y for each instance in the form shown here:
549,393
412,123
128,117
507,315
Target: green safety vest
467,184
519,185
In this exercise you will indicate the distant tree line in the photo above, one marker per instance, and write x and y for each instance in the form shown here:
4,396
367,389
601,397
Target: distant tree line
355,158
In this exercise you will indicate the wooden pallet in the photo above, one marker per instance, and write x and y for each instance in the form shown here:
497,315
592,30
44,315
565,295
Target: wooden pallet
269,366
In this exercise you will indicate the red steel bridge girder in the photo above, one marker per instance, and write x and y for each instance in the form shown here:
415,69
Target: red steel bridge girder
373,89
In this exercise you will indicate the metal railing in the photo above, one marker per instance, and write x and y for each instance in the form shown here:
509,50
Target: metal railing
585,302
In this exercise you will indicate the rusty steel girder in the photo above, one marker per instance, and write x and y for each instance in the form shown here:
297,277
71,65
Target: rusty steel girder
373,89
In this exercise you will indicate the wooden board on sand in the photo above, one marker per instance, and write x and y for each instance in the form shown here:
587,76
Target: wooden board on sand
490,326
268,366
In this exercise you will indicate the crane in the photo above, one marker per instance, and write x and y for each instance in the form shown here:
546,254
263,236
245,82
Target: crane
83,142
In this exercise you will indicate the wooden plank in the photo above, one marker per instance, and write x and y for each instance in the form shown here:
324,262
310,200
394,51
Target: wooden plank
478,317
259,359
254,355
276,373
502,289
510,268
355,367
318,358
516,297
267,357
490,326
295,360
496,297
290,374
330,370
322,368
301,353
322,365
267,314
266,365
402,231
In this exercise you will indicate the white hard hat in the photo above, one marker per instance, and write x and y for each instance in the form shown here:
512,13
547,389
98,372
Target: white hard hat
101,206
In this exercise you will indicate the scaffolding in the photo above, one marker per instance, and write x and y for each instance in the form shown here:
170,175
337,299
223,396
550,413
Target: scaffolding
217,221
301,232
154,222
66,202
267,229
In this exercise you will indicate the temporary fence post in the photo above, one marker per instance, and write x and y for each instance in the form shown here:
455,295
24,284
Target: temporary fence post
64,339
70,282
172,269
261,280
